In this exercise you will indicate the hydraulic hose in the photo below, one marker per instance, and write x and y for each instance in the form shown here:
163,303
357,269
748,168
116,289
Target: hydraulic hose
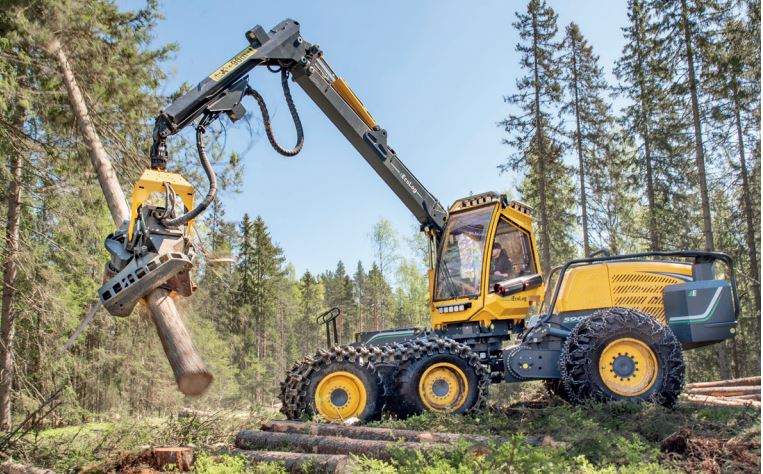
210,172
294,115
211,177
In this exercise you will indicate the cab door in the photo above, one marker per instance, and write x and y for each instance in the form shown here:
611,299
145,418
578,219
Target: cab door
512,264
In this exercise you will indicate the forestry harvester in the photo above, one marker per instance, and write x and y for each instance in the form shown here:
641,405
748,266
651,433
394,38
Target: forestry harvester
600,328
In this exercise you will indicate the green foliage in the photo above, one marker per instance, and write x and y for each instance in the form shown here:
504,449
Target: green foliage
230,464
536,138
617,437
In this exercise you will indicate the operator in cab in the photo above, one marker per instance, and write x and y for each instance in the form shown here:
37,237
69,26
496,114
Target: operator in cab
501,266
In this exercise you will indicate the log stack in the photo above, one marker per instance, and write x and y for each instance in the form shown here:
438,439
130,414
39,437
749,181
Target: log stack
725,393
328,446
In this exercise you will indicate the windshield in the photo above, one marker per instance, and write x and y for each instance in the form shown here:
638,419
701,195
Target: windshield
459,273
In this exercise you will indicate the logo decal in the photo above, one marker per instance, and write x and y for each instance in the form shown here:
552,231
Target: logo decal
237,60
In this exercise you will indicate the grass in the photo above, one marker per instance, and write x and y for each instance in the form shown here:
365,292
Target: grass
624,437
612,438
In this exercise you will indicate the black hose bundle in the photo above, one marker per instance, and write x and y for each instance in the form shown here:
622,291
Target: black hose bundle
294,115
211,177
208,118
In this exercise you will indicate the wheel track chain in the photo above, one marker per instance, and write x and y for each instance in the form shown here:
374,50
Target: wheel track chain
577,366
407,352
295,400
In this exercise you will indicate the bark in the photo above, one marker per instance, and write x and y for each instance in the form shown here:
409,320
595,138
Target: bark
699,151
10,269
366,433
722,401
725,383
726,391
581,163
301,462
707,221
752,396
654,241
190,372
747,201
545,238
179,458
263,440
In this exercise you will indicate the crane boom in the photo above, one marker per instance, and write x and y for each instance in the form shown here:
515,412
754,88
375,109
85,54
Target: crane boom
283,47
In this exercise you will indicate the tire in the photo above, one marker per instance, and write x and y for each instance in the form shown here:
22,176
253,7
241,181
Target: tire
439,375
556,388
338,384
622,354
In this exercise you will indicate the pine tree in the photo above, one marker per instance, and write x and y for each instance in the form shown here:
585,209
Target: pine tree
360,296
686,24
734,86
338,293
534,138
311,302
585,86
639,83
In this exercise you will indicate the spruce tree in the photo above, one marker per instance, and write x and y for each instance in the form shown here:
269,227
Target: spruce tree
639,83
732,81
535,137
584,103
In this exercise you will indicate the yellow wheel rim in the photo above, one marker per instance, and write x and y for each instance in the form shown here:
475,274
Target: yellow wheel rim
443,387
628,367
340,395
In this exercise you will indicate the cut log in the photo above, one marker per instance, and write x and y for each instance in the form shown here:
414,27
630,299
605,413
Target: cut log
722,401
294,462
726,391
363,432
180,458
191,374
268,440
725,383
752,396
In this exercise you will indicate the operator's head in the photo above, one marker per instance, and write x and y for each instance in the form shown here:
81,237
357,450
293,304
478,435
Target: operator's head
496,249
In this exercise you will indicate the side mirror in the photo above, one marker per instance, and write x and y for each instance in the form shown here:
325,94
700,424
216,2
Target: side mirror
516,285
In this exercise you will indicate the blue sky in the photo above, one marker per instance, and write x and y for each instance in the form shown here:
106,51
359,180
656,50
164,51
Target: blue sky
433,73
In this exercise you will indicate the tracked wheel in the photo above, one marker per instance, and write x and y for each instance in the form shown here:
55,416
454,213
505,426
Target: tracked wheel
622,354
440,375
338,384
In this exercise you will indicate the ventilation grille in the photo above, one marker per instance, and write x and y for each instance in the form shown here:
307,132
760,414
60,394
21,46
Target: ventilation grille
641,291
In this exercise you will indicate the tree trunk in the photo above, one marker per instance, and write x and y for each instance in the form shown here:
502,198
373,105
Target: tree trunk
10,268
368,433
723,401
746,200
726,391
545,238
581,163
707,221
191,374
323,444
698,145
725,383
654,241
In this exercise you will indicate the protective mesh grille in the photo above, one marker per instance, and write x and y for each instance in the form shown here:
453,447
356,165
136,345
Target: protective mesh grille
641,291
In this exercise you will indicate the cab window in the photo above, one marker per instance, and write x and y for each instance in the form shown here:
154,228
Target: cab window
459,272
511,255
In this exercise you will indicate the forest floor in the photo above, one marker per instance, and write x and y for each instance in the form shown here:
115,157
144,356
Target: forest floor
617,437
